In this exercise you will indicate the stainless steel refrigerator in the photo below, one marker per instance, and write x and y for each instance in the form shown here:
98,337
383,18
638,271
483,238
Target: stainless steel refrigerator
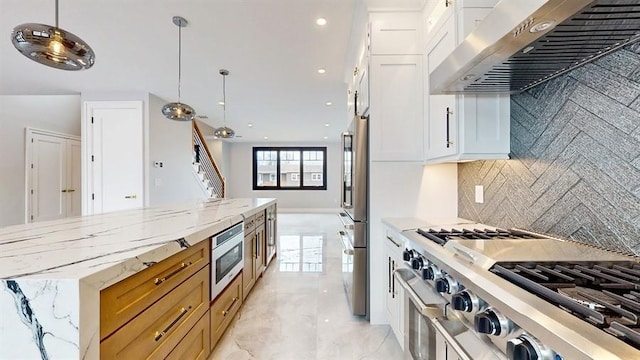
355,233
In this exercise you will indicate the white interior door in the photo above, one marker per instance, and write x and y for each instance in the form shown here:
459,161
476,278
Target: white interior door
48,168
53,175
118,163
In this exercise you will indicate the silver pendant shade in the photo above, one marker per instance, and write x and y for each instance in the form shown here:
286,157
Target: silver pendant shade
224,132
177,110
52,46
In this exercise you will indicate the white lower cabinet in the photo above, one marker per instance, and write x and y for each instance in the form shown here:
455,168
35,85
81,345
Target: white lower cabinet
394,295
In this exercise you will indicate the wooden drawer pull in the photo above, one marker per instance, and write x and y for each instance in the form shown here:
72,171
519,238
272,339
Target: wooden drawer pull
159,281
225,312
160,334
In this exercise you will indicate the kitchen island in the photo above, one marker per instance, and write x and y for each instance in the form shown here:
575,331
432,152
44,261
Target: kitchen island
52,272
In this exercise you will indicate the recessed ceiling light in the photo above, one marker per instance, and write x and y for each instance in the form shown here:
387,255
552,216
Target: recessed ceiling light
250,125
220,103
321,21
266,138
328,103
327,124
326,137
322,71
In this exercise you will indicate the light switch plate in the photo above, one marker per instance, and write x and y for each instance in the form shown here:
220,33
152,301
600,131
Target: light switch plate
479,194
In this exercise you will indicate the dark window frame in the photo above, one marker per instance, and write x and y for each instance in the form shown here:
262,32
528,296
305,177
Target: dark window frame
300,149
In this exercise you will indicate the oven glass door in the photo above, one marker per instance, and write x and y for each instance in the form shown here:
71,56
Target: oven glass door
227,261
347,171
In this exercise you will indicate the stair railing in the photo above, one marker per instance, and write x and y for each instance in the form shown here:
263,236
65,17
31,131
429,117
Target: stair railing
207,163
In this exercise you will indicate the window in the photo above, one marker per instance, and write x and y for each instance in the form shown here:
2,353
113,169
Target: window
289,168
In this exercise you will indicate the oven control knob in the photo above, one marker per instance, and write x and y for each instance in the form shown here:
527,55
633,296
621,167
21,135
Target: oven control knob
462,301
491,322
407,255
447,285
417,263
433,272
466,301
425,273
526,347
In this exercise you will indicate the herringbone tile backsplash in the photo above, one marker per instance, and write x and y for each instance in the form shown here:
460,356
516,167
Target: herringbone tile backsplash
575,159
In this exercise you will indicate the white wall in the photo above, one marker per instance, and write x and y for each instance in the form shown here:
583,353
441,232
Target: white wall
404,190
170,142
60,113
239,181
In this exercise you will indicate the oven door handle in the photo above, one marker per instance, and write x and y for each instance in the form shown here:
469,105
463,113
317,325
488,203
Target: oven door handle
347,249
451,341
347,224
431,311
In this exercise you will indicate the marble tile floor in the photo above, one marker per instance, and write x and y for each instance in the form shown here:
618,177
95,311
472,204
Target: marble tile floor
299,310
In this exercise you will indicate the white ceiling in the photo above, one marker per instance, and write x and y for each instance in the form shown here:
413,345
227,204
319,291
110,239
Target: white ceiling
272,49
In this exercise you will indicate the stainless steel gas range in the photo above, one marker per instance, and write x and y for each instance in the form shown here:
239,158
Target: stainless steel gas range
477,292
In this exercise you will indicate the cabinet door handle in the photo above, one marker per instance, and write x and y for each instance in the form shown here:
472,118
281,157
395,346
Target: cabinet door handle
65,190
389,278
449,113
393,241
393,281
257,250
226,312
131,196
159,281
160,334
447,3
71,190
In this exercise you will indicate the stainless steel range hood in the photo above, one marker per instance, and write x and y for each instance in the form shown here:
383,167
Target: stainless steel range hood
522,43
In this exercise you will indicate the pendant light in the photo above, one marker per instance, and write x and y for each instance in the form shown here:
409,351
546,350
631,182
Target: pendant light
224,132
52,46
177,110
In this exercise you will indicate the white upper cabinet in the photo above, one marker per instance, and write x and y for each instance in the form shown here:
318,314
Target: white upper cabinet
395,33
460,127
396,117
396,87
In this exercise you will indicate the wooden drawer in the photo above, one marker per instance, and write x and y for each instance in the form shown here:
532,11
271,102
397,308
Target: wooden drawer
260,218
124,300
224,309
194,346
156,332
249,224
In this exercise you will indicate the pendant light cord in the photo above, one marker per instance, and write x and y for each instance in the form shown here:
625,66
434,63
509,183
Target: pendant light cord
56,14
224,100
179,58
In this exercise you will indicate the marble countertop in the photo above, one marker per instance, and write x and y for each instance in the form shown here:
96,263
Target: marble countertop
79,247
51,272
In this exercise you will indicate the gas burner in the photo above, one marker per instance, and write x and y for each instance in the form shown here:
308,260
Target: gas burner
442,236
604,294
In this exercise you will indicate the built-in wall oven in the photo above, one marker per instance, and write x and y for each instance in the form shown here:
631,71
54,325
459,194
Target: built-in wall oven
226,257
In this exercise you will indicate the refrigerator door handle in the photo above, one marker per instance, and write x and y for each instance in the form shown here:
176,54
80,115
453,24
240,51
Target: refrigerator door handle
347,249
346,221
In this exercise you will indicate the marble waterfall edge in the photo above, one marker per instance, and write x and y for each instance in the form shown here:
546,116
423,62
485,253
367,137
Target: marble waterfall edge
43,311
